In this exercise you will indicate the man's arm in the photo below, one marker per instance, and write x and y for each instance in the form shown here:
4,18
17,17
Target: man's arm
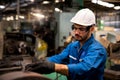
46,67
62,69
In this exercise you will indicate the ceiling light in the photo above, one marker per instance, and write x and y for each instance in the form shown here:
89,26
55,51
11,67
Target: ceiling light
57,1
2,7
38,15
58,10
22,17
32,0
106,4
117,7
94,1
45,2
9,18
63,0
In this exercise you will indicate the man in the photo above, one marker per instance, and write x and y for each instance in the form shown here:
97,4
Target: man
83,59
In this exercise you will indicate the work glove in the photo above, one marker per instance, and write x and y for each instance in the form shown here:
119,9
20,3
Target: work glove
41,66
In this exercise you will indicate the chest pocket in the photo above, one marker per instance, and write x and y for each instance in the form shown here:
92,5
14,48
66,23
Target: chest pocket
82,54
77,57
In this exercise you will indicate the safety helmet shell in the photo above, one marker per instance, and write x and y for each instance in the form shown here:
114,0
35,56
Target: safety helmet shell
84,17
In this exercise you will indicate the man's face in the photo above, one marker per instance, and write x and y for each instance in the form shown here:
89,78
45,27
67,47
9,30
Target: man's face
81,33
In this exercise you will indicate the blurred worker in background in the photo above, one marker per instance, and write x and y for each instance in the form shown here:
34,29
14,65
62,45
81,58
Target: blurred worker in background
83,59
49,39
41,46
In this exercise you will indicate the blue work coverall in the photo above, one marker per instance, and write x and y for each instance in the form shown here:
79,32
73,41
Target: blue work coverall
84,63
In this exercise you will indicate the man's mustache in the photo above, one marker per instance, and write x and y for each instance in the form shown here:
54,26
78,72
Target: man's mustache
78,35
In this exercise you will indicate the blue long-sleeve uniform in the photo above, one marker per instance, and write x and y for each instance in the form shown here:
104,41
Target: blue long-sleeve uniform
84,63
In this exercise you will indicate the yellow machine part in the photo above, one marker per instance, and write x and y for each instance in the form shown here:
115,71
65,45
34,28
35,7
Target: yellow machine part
42,45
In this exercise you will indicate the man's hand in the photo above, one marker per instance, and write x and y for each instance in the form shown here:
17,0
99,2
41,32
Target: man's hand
42,66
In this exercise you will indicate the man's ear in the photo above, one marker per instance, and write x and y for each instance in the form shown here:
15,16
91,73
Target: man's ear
92,28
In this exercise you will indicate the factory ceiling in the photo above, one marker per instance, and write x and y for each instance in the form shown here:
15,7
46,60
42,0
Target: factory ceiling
24,6
100,8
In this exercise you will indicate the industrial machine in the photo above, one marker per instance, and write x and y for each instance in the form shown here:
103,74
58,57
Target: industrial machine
114,56
112,72
18,50
111,41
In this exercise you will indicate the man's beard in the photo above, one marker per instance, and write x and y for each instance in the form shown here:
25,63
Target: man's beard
81,38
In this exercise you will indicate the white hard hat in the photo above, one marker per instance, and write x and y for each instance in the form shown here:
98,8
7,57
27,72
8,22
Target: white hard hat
84,17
